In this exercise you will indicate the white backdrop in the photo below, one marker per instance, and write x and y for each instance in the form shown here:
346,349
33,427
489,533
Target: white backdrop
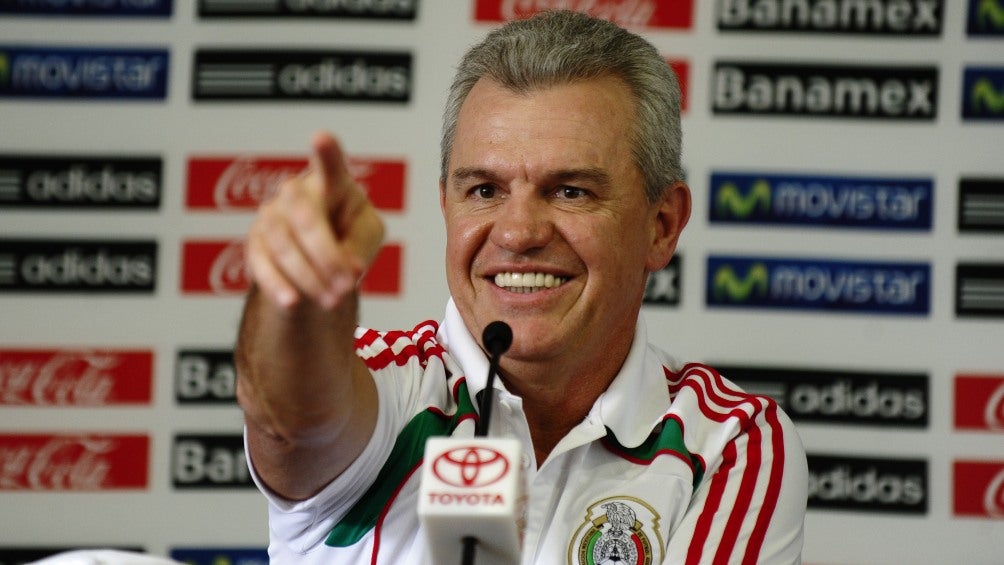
164,514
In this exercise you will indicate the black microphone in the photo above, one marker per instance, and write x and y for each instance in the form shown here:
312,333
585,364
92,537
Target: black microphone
497,337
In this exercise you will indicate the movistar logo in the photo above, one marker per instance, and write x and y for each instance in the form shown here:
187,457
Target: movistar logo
985,98
984,93
729,287
76,72
818,284
990,15
87,7
821,200
732,201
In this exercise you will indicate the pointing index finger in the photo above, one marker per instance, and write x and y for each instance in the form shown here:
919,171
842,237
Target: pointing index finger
329,162
342,197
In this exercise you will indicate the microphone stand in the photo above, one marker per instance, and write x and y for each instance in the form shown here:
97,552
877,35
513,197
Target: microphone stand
497,337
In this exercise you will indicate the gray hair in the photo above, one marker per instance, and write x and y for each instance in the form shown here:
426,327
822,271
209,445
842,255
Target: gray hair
562,47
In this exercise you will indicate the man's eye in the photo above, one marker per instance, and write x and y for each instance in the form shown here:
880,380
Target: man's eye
484,191
570,192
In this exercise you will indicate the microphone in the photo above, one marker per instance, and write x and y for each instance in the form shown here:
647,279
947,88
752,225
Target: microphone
471,488
497,337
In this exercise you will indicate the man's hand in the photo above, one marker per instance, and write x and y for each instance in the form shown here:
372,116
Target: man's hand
315,239
309,402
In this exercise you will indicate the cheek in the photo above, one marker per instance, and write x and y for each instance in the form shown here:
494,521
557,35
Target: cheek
463,238
596,236
619,253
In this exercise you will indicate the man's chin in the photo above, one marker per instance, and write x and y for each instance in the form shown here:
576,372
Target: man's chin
534,340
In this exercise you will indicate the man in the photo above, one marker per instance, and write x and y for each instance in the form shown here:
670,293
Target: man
561,191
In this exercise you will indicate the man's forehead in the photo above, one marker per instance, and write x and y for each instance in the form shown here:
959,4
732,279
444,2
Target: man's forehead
591,175
569,131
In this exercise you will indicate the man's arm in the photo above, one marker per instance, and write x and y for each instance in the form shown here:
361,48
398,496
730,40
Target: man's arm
751,508
309,402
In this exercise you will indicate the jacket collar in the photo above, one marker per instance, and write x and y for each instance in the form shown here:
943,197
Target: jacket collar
632,406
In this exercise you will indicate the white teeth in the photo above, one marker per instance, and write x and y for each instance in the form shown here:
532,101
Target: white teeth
527,282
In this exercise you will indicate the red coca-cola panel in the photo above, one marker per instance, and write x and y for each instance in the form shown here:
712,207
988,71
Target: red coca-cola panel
682,70
219,267
384,275
214,267
979,402
979,489
243,183
74,462
82,377
663,14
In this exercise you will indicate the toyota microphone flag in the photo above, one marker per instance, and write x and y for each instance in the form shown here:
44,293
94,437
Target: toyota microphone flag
472,487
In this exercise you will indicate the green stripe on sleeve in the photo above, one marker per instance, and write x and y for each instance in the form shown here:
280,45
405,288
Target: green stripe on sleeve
407,453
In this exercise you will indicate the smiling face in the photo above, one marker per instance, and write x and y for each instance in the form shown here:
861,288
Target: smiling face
548,227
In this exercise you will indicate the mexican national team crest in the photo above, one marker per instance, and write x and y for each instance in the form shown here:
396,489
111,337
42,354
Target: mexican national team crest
621,530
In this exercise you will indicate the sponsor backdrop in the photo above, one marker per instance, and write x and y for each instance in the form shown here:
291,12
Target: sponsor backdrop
846,253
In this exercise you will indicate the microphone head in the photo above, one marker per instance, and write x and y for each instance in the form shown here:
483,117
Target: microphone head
497,338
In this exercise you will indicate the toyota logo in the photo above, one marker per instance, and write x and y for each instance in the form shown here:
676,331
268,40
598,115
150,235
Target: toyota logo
470,467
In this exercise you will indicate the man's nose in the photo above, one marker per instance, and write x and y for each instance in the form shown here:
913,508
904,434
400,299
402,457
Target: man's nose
524,223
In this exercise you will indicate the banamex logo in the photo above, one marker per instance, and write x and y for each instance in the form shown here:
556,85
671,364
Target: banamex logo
471,467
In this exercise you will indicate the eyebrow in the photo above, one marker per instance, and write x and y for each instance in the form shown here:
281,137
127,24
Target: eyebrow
592,175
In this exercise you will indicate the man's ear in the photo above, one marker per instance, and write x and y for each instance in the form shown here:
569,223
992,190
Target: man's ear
670,215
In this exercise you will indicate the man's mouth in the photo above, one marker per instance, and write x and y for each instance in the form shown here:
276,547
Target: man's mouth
527,282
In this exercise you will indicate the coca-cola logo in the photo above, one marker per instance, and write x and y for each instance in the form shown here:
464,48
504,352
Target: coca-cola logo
668,14
65,379
244,183
993,500
630,13
994,411
219,267
471,467
979,402
229,272
978,489
73,462
248,182
75,378
214,267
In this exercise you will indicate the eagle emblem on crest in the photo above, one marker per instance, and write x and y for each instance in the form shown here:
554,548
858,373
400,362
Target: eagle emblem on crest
617,530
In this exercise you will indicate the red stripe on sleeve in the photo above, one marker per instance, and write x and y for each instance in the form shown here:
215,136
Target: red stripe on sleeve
773,488
702,530
747,490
